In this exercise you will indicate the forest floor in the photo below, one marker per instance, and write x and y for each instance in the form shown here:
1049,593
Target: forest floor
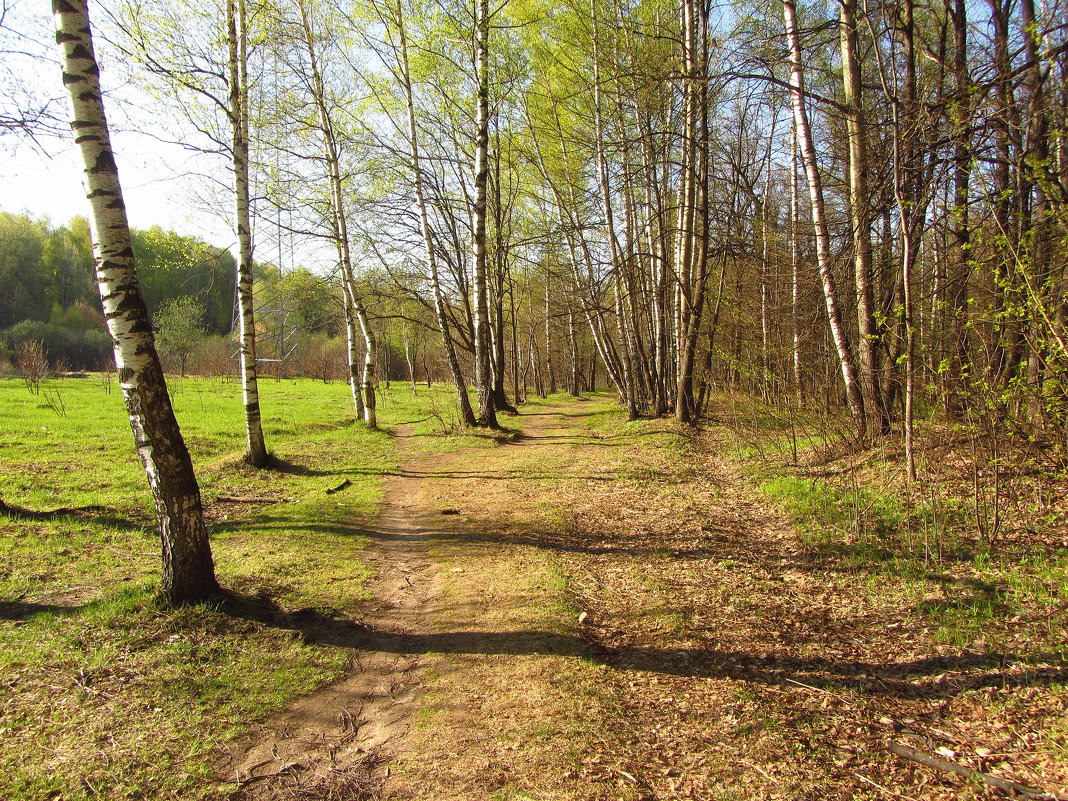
608,610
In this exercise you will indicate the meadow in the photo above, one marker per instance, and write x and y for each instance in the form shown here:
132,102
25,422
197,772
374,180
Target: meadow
107,692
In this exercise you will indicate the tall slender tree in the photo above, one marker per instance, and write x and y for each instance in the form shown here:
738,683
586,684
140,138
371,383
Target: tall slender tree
404,74
487,414
819,220
188,570
237,46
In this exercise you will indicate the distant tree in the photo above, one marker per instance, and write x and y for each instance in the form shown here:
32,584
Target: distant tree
67,265
77,347
79,316
172,265
22,286
180,329
312,302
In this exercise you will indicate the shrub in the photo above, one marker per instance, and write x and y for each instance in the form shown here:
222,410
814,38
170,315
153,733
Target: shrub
31,360
87,349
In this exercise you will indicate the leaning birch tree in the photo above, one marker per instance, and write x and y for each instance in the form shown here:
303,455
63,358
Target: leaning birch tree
188,570
819,220
354,307
404,76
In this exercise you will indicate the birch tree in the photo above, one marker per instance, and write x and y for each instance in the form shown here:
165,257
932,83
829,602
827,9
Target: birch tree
404,75
188,570
819,220
197,58
363,389
487,414
237,45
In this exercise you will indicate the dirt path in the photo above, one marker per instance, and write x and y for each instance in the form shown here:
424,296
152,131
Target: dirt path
337,742
609,611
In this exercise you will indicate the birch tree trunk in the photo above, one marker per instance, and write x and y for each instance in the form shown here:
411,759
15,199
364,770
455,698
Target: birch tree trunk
693,218
860,217
550,372
957,289
255,446
819,221
353,355
572,341
365,400
467,415
188,570
626,367
487,414
795,268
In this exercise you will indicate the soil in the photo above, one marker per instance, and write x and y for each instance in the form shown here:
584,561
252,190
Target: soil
577,615
337,741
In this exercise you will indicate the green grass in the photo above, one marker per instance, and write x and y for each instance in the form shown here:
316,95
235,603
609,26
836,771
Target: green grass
110,694
829,512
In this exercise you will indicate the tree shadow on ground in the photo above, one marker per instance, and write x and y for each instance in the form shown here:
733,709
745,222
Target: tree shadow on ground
97,514
280,465
935,677
23,610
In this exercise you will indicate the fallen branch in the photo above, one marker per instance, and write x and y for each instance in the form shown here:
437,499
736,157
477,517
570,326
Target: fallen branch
1011,787
250,499
339,487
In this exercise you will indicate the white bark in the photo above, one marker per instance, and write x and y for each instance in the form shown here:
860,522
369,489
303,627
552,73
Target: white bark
819,221
236,36
363,392
483,374
467,415
188,571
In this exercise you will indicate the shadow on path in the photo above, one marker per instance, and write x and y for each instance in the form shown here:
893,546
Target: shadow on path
928,677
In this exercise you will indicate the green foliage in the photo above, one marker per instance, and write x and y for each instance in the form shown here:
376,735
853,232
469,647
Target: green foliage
312,304
179,329
79,316
170,265
22,287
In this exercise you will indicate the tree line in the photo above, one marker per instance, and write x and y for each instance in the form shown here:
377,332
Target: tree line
48,295
859,206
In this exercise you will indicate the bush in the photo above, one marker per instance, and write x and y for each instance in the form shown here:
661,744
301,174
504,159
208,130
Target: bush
214,356
79,350
33,363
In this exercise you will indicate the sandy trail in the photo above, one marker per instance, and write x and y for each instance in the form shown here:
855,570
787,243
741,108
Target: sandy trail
342,736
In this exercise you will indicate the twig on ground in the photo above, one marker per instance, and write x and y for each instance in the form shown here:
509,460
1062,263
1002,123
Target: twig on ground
759,770
1011,787
884,789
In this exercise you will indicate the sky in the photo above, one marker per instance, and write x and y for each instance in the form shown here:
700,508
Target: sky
43,178
46,181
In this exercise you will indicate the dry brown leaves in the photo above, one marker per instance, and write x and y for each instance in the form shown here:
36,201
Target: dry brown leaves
753,664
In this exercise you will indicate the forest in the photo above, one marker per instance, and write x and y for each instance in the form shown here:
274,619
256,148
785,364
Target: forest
606,400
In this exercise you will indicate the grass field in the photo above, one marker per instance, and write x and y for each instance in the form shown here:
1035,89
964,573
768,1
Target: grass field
109,694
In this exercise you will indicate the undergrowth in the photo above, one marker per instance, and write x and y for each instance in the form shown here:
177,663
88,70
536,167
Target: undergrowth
978,543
